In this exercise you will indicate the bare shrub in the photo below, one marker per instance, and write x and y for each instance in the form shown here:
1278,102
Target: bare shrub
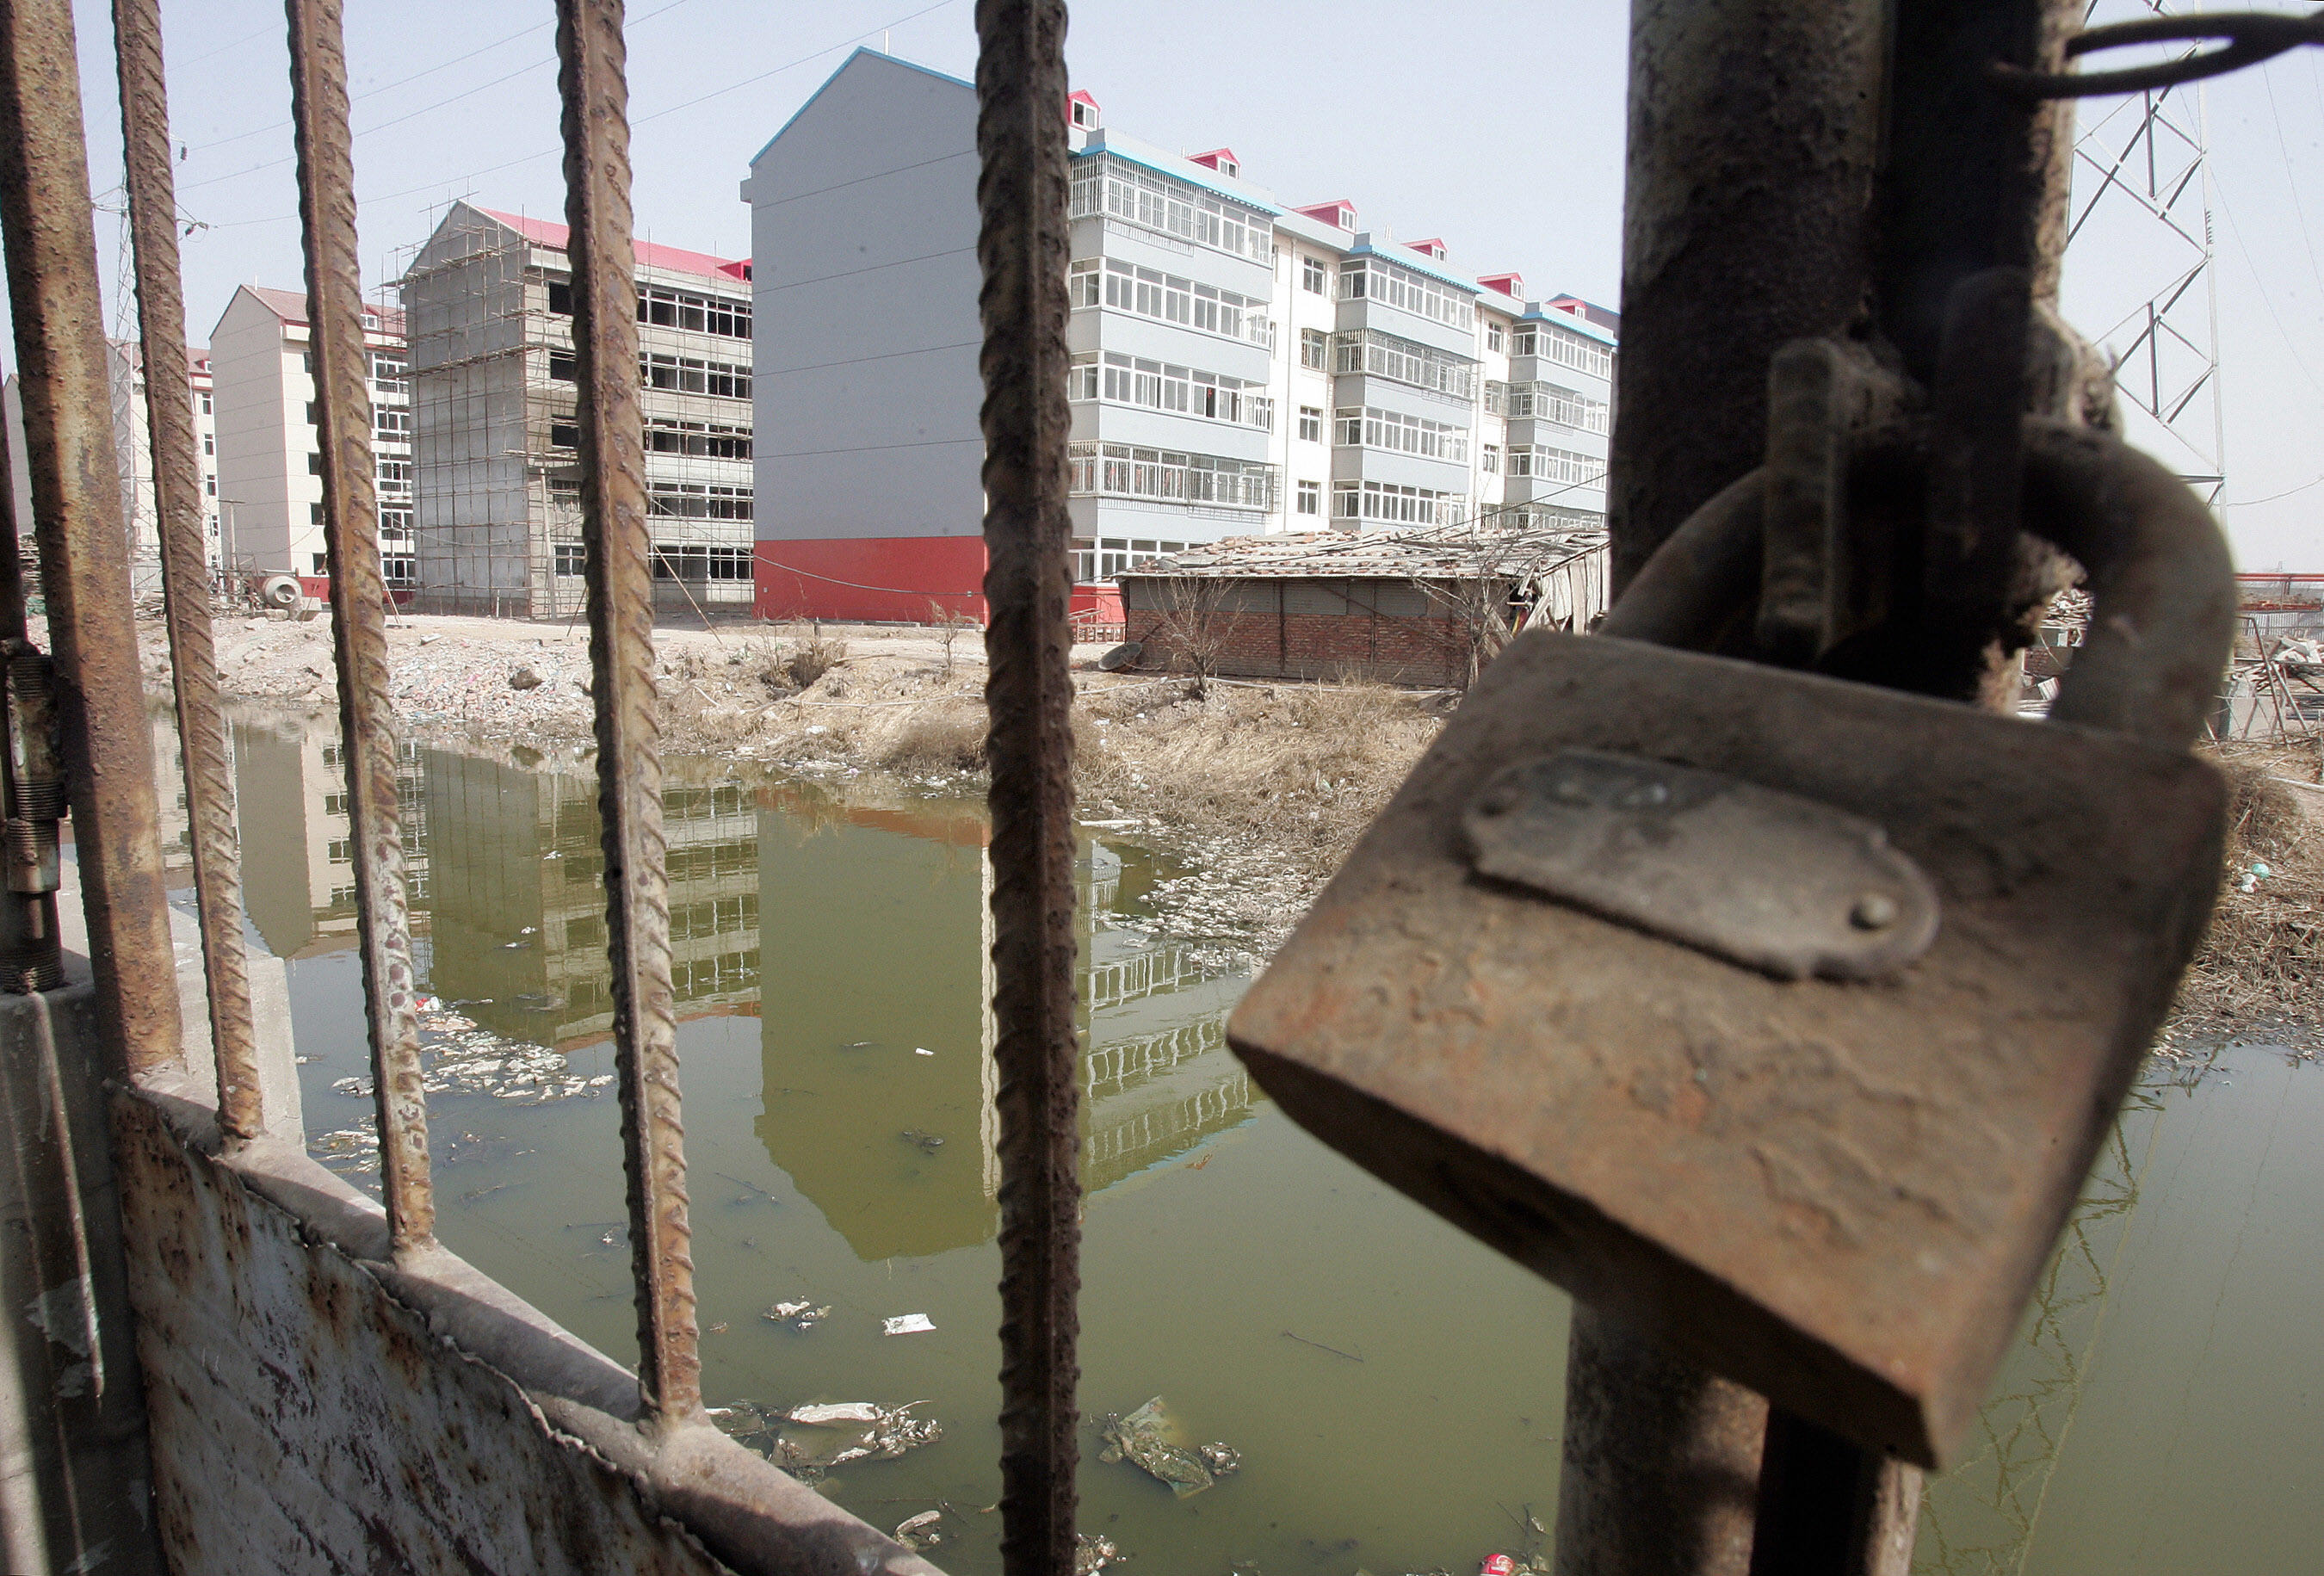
1194,620
949,625
815,656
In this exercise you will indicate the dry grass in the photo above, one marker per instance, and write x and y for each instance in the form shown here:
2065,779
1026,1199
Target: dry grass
2261,969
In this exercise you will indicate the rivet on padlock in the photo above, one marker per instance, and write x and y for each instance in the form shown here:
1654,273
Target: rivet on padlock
1800,1067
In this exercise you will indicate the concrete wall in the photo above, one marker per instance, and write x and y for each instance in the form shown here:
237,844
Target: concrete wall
1388,631
267,494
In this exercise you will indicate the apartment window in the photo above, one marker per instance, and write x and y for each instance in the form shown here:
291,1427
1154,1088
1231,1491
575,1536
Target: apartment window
209,443
701,439
1110,556
1385,356
562,366
314,463
1555,464
1565,347
210,485
1161,386
209,409
1102,186
387,374
1149,292
399,570
1080,377
1373,428
696,500
1118,470
1491,462
395,524
688,374
1493,336
1315,349
315,517
314,414
394,473
1311,423
1313,277
322,564
340,851
696,561
1310,497
560,298
392,422
669,308
1549,401
1392,284
564,435
1390,504
572,559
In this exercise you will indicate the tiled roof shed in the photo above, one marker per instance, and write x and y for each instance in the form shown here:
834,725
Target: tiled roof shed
1427,607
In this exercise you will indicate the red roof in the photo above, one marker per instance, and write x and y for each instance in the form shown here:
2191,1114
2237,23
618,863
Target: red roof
1508,284
290,306
650,254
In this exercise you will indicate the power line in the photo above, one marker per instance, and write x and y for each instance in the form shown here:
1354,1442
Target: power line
2272,497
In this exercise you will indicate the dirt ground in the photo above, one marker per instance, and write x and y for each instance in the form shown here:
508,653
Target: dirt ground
1262,787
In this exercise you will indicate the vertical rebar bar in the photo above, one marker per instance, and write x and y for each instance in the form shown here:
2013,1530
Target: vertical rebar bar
335,337
46,214
1022,245
592,64
185,566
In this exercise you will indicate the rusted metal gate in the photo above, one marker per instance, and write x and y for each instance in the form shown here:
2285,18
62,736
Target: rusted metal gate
1796,170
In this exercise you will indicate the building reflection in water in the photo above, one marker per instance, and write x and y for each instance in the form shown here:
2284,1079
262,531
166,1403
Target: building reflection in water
879,1102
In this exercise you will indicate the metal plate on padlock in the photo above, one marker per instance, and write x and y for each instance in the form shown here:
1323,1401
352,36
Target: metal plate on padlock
1768,880
1836,1191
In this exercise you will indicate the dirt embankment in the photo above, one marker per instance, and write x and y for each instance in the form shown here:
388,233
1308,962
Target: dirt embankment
1263,787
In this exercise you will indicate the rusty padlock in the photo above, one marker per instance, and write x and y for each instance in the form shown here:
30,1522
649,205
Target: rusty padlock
1780,1014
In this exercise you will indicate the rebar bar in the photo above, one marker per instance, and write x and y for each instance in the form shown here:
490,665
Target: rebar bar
592,63
185,563
1022,245
327,213
45,213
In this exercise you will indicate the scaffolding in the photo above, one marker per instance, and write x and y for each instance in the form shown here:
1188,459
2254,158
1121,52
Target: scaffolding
497,526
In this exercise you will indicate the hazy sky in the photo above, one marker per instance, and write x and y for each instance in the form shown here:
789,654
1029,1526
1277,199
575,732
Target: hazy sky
1497,125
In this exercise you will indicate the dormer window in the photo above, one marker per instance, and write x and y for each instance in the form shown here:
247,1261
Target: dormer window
1081,112
1229,167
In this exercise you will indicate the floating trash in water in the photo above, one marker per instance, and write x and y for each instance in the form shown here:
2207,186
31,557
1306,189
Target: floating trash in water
358,1086
807,1442
799,1315
1093,1553
921,1531
926,1143
922,1051
1150,1437
909,1325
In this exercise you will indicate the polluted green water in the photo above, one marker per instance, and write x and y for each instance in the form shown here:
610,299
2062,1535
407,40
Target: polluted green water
1393,1389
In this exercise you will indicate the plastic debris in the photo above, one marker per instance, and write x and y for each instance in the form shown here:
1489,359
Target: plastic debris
800,1315
831,1414
1150,1437
907,1324
927,1143
1222,1461
921,1531
1093,1553
922,1051
807,1442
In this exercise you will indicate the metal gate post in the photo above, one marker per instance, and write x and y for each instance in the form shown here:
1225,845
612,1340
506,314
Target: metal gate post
44,209
1801,169
185,563
1021,189
1747,221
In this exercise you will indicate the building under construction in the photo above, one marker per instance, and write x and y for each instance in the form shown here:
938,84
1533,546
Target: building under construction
497,478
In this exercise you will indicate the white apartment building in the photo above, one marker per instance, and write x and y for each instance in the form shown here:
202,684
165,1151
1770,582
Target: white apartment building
270,466
134,450
1238,366
489,298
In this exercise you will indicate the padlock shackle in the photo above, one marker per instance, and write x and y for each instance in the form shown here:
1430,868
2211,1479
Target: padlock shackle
2162,583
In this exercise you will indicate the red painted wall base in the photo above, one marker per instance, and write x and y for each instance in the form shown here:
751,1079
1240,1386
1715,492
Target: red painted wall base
890,580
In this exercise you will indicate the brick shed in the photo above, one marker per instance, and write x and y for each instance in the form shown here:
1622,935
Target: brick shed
1422,607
